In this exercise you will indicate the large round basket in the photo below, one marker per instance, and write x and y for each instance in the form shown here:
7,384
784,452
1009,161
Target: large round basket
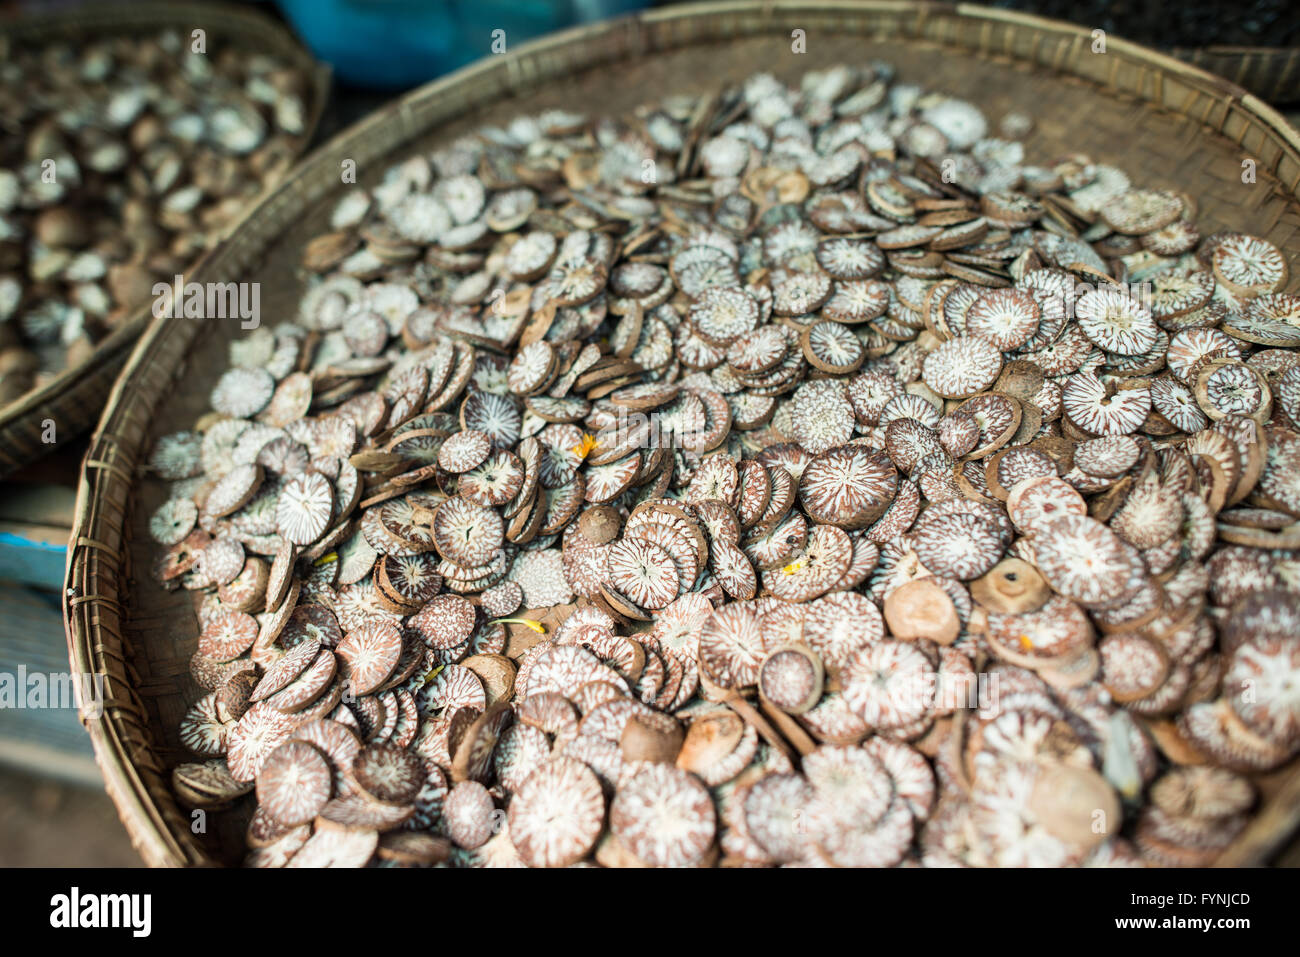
1163,121
75,398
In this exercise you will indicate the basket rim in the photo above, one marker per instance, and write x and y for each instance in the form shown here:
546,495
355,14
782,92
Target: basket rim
226,20
151,819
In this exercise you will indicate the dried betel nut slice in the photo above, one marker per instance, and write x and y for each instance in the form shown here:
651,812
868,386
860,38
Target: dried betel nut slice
1005,318
962,546
1109,456
233,491
1139,211
1035,502
822,562
557,815
888,684
1132,666
309,689
287,668
173,521
663,816
1011,587
465,450
1083,559
388,774
848,783
234,694
496,481
1116,322
733,571
922,609
293,783
1202,793
791,678
259,732
774,809
1069,802
848,486
731,646
1226,387
304,508
222,561
371,652
202,730
832,347
466,533
469,815
1249,265
228,635
207,784
472,756
643,571
962,367
719,315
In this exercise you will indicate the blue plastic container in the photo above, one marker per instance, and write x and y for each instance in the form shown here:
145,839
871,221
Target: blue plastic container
402,43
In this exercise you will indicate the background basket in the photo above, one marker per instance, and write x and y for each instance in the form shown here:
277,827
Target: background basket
1163,121
75,398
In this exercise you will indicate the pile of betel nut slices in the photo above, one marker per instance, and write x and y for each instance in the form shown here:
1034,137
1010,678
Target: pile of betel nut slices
122,161
792,475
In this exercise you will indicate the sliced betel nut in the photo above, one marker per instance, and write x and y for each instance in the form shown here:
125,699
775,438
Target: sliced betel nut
815,569
469,814
466,533
387,774
832,347
1132,667
289,667
207,784
922,609
962,367
643,571
1225,387
258,733
309,689
848,486
173,521
731,646
1249,265
557,815
1083,559
1202,792
293,784
228,635
202,729
371,653
1005,318
791,678
889,684
663,816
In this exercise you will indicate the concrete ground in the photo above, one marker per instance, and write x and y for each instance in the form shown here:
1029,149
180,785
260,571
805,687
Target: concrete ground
52,824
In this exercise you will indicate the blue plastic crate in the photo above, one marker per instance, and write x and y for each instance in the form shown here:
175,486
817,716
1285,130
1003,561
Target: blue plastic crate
401,43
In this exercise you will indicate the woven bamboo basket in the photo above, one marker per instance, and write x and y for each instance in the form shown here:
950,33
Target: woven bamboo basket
1270,72
1164,121
75,398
